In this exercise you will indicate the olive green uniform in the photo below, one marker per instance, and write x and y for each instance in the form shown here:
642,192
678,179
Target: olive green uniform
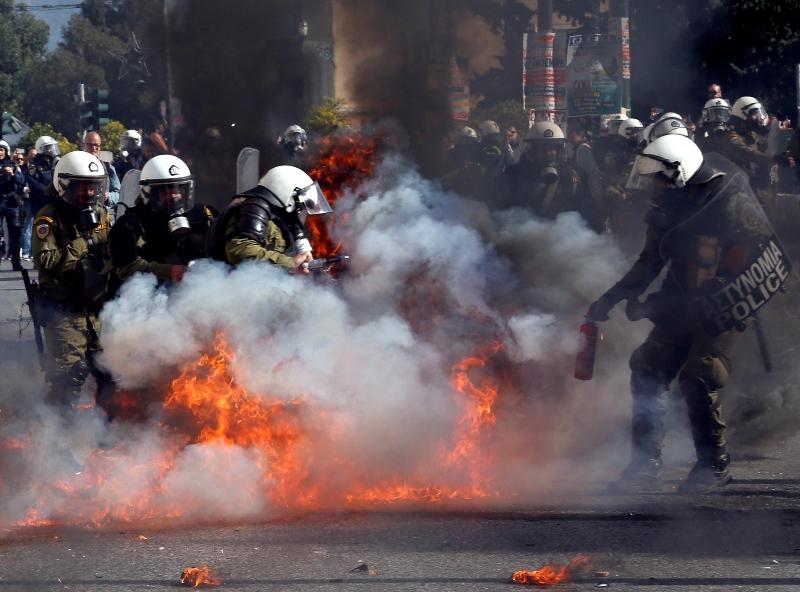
241,248
682,344
748,151
61,252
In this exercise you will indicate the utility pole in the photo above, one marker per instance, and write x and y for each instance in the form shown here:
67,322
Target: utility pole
620,11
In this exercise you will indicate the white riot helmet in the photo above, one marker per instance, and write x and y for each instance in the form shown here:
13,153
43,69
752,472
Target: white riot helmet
47,145
674,157
667,124
488,128
468,132
130,140
79,178
614,122
749,108
716,111
167,185
544,147
293,191
630,128
544,131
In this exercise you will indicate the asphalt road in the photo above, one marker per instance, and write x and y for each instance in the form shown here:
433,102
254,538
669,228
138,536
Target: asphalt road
746,537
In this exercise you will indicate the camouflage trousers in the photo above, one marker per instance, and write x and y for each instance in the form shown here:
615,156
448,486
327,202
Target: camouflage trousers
702,364
72,344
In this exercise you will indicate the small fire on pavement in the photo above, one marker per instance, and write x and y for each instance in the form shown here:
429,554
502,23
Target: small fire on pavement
550,575
199,576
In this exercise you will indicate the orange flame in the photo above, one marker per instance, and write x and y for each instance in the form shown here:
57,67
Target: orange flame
341,163
550,575
478,413
199,576
224,412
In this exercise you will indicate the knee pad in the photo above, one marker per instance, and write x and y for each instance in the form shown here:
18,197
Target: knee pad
710,370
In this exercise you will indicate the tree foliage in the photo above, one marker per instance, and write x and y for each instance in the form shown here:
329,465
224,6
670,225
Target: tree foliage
98,50
23,39
505,113
110,134
46,129
324,119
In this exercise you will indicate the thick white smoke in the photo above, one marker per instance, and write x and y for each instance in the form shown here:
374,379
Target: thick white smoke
434,278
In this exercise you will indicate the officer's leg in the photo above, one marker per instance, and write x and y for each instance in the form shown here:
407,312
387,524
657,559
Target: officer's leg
654,365
68,368
706,371
106,387
14,237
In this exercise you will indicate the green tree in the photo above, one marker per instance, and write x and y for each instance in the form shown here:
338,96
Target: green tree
110,134
324,119
23,39
505,113
98,50
45,129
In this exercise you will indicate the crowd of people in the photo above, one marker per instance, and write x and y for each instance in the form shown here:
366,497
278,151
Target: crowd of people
667,171
586,169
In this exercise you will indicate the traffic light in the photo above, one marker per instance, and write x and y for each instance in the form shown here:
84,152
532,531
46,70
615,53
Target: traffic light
94,112
101,102
87,116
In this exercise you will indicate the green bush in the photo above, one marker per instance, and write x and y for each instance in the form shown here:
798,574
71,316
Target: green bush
324,119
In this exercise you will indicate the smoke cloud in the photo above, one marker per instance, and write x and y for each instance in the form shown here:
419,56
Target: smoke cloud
366,379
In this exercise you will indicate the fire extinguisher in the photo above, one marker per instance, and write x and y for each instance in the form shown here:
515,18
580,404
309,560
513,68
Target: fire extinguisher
587,349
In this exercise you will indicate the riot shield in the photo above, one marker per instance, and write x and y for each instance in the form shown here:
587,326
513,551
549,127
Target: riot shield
247,169
129,190
726,255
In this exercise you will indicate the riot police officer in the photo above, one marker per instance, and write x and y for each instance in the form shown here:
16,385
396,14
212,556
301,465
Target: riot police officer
165,230
715,125
131,155
707,228
69,250
12,184
542,181
267,222
39,174
746,146
294,142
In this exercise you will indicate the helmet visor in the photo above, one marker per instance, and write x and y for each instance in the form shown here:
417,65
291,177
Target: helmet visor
757,113
172,198
720,114
312,201
645,172
51,150
83,193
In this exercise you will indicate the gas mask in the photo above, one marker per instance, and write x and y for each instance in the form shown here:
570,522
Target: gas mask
545,156
82,194
173,199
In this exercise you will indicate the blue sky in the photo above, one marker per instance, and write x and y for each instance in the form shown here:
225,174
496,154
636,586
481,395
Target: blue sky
55,18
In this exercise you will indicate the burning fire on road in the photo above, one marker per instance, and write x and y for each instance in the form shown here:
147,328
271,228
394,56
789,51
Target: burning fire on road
197,577
421,377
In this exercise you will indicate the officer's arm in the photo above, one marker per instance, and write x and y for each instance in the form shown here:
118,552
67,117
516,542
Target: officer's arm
646,268
35,184
125,259
46,253
113,186
240,249
749,153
